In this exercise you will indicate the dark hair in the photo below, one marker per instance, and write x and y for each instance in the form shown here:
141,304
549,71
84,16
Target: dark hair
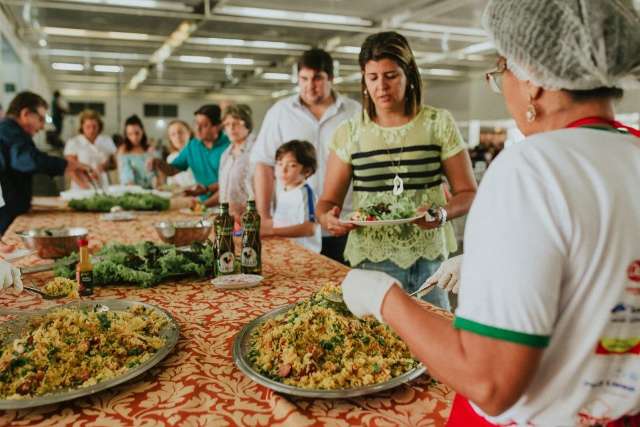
318,60
212,111
29,100
393,46
90,115
135,121
240,111
303,151
597,93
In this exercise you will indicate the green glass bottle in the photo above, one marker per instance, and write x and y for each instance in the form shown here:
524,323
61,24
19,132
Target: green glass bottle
251,255
225,249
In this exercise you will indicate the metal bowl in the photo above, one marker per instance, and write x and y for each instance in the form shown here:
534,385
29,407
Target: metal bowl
183,233
53,242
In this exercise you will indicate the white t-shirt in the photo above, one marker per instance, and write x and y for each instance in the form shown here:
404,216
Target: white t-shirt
289,119
181,179
297,206
552,260
91,154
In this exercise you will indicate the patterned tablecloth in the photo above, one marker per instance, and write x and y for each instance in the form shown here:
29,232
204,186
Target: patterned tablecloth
198,383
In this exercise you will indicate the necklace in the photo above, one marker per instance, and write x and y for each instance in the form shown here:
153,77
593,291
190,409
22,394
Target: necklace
398,183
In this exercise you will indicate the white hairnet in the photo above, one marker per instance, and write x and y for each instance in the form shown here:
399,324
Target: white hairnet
568,44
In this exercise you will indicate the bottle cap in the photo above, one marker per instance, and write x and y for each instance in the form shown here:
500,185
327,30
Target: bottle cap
83,242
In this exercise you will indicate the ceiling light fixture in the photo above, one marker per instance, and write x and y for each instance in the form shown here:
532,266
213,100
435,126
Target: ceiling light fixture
276,76
258,44
138,78
108,68
195,59
288,15
79,32
354,50
478,48
67,66
147,4
445,29
441,72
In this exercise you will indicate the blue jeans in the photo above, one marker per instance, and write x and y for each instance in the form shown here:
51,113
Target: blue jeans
413,277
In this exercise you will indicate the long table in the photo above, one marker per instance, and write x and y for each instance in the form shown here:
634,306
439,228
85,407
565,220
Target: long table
198,383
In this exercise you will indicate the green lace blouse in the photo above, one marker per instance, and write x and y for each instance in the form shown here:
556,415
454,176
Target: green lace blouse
415,152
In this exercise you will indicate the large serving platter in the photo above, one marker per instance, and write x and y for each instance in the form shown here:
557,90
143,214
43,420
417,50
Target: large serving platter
241,347
170,333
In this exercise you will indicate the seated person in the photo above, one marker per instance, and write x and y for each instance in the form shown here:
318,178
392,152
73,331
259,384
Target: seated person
295,202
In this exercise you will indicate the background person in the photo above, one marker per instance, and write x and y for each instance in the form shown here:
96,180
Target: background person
544,332
201,155
179,133
311,115
295,212
397,138
91,147
20,159
236,185
133,155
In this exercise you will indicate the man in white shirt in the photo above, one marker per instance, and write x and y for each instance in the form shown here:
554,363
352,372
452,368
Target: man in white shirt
311,115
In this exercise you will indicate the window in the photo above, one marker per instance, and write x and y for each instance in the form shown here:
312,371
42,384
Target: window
160,110
78,107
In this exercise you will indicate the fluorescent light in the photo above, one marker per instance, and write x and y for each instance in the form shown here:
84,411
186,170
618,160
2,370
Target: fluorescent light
276,76
257,44
238,61
478,48
93,54
107,68
148,4
287,15
195,59
355,50
445,29
138,78
66,66
442,72
79,32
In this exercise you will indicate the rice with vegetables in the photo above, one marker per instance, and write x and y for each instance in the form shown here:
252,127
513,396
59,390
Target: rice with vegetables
75,348
61,287
319,344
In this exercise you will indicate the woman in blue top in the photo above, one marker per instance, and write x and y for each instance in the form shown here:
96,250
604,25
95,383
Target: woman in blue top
133,155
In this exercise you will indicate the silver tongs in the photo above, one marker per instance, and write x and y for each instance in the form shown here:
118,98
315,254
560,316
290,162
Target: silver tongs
95,185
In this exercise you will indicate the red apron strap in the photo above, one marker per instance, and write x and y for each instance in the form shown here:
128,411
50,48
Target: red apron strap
463,415
587,121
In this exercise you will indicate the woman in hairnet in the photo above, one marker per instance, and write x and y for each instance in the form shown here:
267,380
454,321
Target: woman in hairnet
547,332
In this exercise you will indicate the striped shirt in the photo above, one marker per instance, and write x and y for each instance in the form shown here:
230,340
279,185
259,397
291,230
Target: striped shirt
414,152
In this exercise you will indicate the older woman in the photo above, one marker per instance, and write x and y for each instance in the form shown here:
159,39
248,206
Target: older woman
397,153
91,147
235,173
546,331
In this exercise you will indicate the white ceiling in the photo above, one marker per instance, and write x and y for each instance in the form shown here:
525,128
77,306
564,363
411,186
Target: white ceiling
231,49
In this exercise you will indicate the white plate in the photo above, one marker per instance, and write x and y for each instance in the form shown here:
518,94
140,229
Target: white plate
237,281
380,222
118,216
17,254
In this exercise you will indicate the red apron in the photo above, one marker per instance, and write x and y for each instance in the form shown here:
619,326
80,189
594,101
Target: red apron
462,414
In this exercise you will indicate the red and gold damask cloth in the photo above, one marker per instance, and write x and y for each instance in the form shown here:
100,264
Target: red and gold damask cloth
198,383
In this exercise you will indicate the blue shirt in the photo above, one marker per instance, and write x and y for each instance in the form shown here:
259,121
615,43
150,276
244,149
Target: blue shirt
204,162
20,159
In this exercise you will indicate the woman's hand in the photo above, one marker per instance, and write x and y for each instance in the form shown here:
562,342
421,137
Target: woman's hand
331,222
428,220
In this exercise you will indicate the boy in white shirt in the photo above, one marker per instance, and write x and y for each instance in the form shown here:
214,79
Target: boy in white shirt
295,201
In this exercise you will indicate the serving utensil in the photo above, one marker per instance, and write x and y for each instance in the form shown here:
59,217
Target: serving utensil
42,293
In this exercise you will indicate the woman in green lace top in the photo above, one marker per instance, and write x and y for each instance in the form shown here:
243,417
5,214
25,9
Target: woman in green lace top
397,153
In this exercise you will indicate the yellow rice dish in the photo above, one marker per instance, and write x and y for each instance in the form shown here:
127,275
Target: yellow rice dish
319,344
61,287
75,348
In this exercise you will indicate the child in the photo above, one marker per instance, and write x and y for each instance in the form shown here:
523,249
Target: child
295,201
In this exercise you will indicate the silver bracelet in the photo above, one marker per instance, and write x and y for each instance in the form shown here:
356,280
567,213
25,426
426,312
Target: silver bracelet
442,216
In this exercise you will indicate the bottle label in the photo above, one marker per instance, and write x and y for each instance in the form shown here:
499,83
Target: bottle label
226,262
85,281
249,257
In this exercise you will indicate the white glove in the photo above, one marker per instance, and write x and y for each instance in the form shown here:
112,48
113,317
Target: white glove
9,276
447,276
364,290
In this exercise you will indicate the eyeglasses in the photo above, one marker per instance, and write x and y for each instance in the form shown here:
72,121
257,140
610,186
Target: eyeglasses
494,78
